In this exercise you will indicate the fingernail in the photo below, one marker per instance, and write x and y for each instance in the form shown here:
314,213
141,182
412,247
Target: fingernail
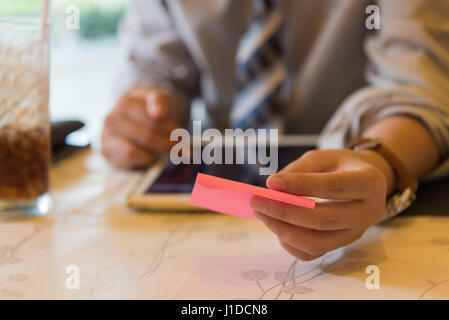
257,203
276,182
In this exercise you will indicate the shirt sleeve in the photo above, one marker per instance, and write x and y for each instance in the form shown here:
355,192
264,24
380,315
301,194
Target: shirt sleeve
155,53
408,74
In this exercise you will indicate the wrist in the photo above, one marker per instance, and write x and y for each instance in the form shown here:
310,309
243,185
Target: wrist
383,165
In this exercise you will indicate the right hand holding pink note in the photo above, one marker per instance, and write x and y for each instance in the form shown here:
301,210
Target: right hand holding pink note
356,185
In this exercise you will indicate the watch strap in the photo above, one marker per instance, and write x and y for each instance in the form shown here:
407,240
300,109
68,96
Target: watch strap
405,179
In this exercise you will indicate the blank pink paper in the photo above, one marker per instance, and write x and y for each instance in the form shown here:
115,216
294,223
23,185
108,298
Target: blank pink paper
232,197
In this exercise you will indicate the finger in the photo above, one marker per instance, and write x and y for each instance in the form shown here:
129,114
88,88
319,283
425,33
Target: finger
156,105
327,215
336,185
304,256
142,136
164,105
162,128
311,241
312,161
149,106
123,154
135,110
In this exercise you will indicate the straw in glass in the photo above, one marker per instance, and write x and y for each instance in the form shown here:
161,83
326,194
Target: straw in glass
45,9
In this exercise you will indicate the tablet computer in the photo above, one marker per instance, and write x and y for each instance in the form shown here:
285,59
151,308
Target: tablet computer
167,187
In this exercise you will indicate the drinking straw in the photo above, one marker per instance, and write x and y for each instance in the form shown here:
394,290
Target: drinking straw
45,8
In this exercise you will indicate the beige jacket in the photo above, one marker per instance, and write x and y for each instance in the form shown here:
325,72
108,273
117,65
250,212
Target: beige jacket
342,75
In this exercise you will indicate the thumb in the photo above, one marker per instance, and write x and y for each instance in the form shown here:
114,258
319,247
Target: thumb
157,105
292,182
167,105
336,185
312,161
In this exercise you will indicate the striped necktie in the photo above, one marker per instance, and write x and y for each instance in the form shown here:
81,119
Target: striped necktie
261,70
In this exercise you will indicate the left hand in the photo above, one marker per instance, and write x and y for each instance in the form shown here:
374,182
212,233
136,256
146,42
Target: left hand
356,184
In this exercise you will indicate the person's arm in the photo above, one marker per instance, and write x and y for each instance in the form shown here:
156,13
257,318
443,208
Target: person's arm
156,54
356,184
154,89
408,73
410,141
406,107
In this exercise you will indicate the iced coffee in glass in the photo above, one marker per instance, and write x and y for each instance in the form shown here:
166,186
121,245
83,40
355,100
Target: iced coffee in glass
24,118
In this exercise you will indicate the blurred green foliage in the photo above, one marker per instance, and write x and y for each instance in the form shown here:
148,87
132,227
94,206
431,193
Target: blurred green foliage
19,7
98,18
96,22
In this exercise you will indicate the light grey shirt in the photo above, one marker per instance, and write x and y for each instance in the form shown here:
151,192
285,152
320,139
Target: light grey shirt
342,75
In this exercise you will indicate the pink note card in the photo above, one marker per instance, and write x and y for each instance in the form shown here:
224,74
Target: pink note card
232,197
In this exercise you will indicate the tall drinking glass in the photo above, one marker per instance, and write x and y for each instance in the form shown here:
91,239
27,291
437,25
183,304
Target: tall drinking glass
24,118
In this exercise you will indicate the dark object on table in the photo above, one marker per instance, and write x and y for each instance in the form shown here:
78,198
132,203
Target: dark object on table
60,130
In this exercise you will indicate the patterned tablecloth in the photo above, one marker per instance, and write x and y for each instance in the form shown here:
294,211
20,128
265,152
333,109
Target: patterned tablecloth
121,254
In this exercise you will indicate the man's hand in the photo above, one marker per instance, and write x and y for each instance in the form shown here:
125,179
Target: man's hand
138,129
356,184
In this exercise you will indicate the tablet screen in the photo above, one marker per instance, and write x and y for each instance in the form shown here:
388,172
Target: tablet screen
181,178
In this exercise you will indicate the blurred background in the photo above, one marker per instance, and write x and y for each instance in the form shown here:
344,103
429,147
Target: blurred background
84,61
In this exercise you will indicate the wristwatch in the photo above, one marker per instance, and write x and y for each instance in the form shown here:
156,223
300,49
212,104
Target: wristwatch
407,184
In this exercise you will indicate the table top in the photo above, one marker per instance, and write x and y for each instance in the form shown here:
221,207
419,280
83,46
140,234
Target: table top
121,254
